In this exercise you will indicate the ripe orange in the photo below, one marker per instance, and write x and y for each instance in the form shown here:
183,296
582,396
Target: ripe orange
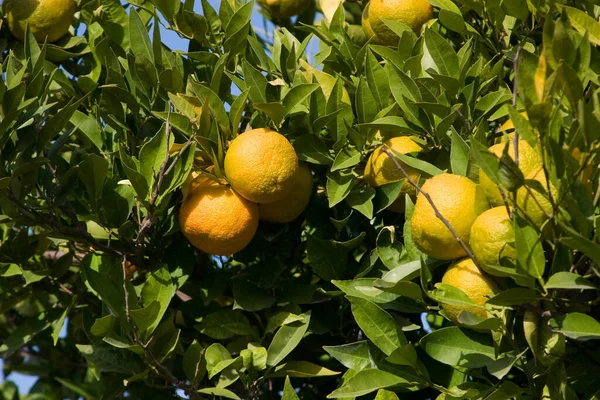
535,204
465,275
292,205
48,20
460,201
381,169
529,161
413,13
261,165
217,220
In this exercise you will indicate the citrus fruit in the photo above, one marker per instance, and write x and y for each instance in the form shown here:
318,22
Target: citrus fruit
464,275
536,204
292,205
492,238
528,162
381,170
284,8
460,201
261,165
366,25
413,13
48,20
217,220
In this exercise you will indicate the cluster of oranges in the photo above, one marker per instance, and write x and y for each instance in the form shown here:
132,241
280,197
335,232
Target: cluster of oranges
265,181
465,206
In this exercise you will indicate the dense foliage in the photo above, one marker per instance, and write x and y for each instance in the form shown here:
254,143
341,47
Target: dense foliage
99,131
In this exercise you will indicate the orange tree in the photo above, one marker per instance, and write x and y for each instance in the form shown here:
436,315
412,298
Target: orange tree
104,132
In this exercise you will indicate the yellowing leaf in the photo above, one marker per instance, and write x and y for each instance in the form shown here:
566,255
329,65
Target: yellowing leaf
539,79
329,7
326,81
583,23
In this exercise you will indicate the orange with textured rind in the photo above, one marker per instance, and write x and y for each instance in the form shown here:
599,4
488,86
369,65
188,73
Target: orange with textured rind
381,170
217,220
291,206
464,275
492,238
537,205
529,161
48,20
460,201
261,165
414,13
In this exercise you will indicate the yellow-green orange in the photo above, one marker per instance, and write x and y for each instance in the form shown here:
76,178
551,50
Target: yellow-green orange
492,238
217,220
536,204
413,13
284,8
367,28
464,275
381,170
529,161
292,205
261,165
460,201
48,20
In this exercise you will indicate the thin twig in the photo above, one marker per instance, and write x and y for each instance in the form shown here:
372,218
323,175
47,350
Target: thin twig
433,206
150,357
179,155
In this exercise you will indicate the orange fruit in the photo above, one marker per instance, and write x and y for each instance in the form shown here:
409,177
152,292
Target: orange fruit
261,165
217,220
293,204
460,201
381,169
48,20
464,275
413,13
529,161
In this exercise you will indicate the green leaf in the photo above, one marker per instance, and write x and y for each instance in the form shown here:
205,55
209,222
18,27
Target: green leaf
301,369
459,347
288,391
250,297
347,157
220,392
274,110
297,95
448,294
576,241
326,257
514,297
366,106
224,324
417,164
576,326
568,280
104,275
159,287
365,382
215,354
109,359
93,171
27,330
378,325
104,326
443,55
88,126
339,185
530,253
383,394
449,15
354,356
286,339
362,201
487,161
459,155
256,82
139,37
312,149
584,24
153,154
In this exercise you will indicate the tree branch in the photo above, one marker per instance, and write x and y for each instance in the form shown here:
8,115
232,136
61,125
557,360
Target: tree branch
189,390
